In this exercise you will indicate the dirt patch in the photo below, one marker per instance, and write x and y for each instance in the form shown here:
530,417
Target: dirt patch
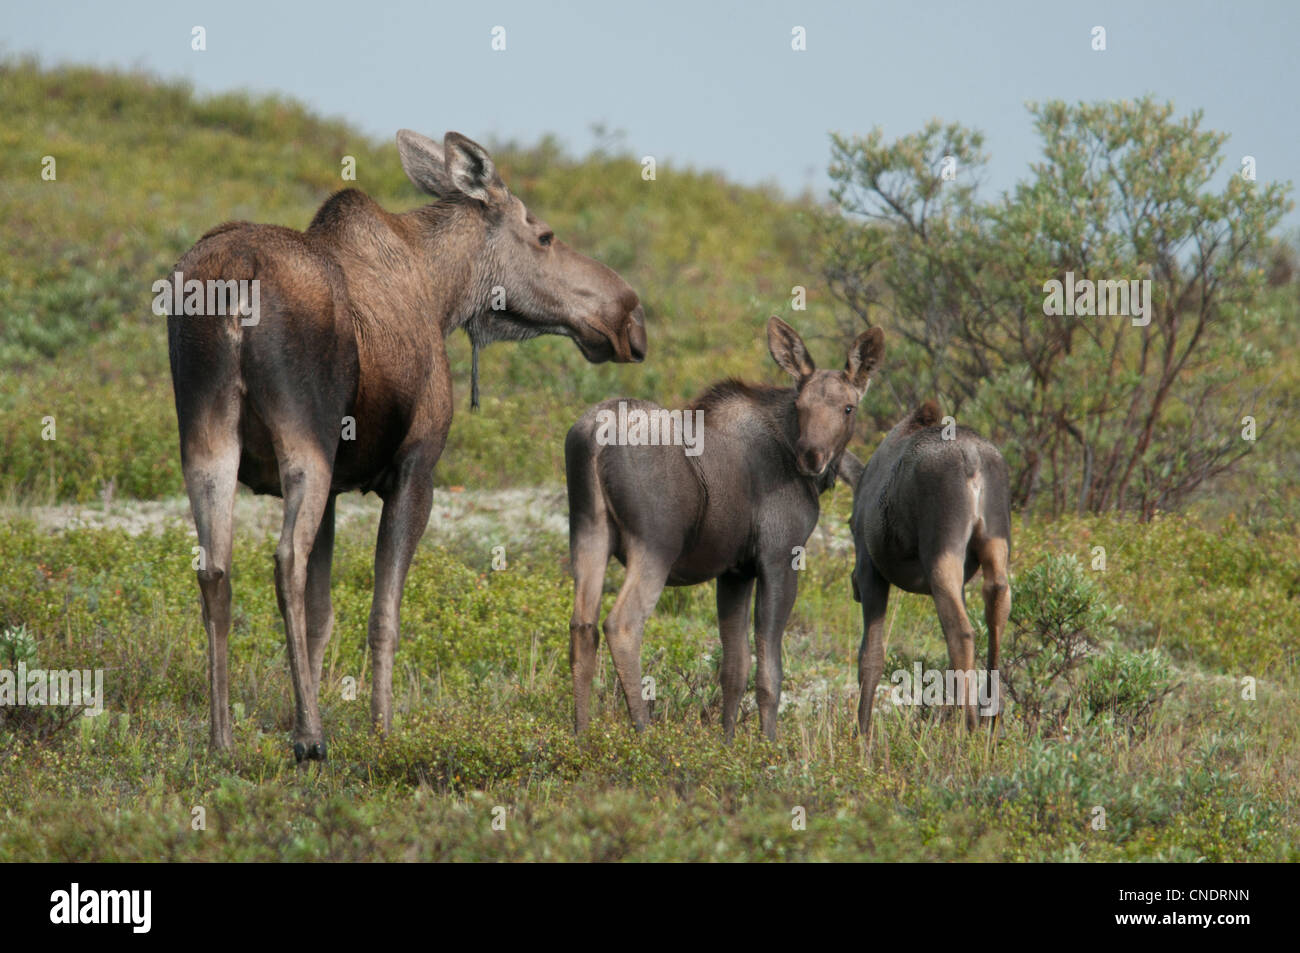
530,510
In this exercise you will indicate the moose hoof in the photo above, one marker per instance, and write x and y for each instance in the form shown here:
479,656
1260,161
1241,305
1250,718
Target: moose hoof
313,752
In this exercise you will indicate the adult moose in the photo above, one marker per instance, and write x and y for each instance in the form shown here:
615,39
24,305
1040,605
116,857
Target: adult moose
930,509
350,339
735,511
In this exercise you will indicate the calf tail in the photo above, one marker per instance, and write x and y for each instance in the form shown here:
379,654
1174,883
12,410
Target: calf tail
580,473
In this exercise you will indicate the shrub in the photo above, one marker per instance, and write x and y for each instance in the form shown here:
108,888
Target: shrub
1058,618
1126,688
17,645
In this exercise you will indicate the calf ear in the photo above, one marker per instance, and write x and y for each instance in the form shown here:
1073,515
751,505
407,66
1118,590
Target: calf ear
850,469
424,163
865,356
787,349
471,169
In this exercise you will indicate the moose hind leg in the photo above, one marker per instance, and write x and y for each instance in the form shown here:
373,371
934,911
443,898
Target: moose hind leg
211,474
624,627
320,608
589,553
305,485
947,578
873,589
997,609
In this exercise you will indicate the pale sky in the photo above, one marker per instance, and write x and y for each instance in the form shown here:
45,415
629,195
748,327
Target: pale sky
713,85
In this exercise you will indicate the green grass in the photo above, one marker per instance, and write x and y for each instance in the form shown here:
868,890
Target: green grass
484,715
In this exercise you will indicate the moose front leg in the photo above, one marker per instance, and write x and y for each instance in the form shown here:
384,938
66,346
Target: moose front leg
777,587
872,589
405,515
735,594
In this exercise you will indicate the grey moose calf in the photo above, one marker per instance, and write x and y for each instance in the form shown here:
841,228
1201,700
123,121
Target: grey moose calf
733,510
930,509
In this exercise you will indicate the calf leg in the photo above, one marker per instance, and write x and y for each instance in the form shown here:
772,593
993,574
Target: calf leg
777,587
625,626
947,578
997,609
734,595
873,589
589,554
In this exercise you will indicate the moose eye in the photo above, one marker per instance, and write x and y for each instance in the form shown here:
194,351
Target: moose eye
848,409
545,240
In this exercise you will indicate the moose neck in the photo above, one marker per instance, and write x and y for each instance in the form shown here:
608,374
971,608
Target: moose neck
449,238
775,408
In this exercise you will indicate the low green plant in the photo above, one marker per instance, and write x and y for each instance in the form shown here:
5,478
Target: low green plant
1126,688
1059,616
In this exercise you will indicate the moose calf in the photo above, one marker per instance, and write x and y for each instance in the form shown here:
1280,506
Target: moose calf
733,509
930,508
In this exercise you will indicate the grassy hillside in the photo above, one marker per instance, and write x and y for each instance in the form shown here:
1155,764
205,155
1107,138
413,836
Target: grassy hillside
1178,719
711,261
132,193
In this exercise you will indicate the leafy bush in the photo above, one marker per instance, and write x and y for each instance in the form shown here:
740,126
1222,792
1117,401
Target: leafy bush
1126,688
32,722
1058,618
1210,594
17,645
1092,414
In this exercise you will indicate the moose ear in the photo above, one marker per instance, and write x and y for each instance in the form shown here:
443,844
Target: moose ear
850,469
864,357
423,161
787,349
470,168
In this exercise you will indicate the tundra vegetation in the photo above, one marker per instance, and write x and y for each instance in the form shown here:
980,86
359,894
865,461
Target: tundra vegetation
1151,707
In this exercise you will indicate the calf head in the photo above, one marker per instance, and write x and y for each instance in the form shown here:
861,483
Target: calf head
826,401
531,283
